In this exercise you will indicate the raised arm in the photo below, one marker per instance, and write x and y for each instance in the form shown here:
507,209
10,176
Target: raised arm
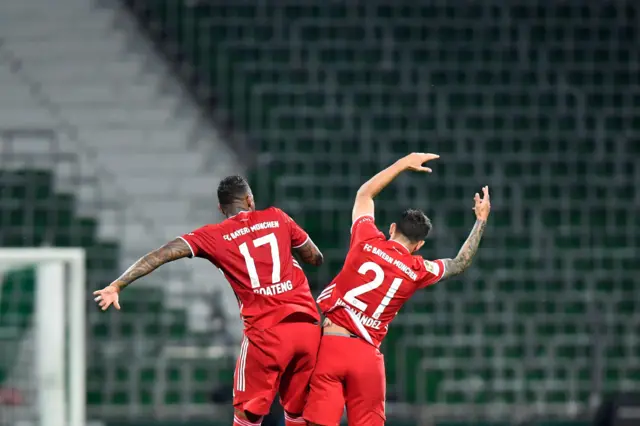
363,204
148,263
468,250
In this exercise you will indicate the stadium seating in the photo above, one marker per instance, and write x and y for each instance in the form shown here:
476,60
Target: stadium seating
535,99
33,214
128,364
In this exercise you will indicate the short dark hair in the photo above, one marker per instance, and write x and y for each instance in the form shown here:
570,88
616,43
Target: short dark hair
414,225
232,189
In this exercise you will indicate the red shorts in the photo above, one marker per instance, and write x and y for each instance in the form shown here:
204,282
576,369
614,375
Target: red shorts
350,371
279,359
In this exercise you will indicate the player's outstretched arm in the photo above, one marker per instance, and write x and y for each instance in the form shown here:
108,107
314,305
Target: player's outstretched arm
148,263
465,256
309,253
173,250
363,204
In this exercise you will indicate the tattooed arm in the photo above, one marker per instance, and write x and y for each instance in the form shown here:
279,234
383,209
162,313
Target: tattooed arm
148,263
464,258
309,253
173,250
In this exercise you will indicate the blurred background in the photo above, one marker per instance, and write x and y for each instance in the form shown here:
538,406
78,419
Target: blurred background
118,118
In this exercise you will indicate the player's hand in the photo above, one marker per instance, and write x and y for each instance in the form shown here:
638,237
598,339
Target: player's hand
106,297
415,161
482,205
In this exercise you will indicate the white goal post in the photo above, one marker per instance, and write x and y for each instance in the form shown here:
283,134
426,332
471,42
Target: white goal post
58,326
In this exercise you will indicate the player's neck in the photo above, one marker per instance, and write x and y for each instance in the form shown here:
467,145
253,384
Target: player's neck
402,243
235,210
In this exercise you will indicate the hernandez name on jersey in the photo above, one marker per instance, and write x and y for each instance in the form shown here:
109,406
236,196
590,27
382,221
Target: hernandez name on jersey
378,277
253,251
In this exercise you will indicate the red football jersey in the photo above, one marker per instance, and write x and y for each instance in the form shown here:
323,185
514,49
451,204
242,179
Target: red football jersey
253,251
377,278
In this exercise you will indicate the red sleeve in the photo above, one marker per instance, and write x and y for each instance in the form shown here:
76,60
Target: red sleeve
298,235
434,272
365,229
202,241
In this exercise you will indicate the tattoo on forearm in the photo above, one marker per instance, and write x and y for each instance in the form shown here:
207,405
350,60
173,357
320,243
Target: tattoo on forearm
465,256
310,254
169,252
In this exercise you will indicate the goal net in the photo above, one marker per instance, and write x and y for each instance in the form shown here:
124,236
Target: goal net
42,337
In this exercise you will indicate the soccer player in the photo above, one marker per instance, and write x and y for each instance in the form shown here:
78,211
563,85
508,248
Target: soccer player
379,275
253,249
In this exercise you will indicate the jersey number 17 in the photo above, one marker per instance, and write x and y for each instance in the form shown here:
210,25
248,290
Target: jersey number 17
251,265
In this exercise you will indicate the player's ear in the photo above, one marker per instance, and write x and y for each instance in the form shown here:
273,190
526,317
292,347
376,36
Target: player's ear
419,246
220,208
251,202
392,230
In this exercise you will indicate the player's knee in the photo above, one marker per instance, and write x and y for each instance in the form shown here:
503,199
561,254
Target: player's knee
245,418
294,419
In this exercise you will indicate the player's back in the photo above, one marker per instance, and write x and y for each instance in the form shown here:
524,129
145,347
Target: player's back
253,251
377,278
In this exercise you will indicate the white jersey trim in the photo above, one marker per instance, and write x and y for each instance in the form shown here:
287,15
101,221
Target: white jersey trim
296,264
242,363
361,328
238,421
444,269
326,293
190,248
291,419
305,242
358,218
